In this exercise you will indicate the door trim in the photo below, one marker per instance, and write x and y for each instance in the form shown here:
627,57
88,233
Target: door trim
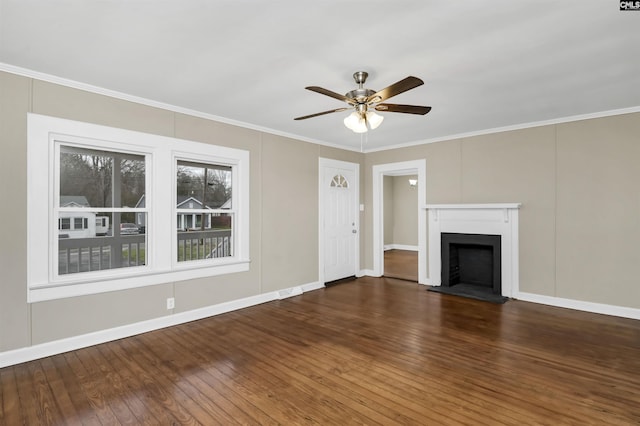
330,163
415,167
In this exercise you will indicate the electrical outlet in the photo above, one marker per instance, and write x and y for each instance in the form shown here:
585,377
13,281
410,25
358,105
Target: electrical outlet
171,303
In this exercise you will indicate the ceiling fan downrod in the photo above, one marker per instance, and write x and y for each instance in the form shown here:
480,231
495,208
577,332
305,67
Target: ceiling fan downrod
360,77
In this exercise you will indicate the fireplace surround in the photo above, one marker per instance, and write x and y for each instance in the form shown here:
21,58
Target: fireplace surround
499,220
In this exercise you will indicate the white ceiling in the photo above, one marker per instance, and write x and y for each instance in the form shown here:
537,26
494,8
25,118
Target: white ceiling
486,64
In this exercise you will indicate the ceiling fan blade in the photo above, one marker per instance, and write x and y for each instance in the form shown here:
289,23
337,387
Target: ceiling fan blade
329,93
321,113
407,109
395,89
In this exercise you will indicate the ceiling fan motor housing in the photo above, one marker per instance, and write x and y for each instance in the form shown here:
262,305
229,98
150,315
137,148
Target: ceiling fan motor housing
360,95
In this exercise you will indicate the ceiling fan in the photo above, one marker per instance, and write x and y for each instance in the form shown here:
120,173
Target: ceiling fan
365,102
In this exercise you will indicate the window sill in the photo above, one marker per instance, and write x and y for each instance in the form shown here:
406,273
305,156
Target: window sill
60,291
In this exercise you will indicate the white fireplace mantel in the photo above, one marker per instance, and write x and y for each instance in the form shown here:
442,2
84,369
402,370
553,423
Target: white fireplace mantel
490,219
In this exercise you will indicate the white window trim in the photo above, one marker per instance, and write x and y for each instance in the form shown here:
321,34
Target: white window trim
55,142
235,177
42,228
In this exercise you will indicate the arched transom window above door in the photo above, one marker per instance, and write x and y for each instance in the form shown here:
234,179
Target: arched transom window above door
339,181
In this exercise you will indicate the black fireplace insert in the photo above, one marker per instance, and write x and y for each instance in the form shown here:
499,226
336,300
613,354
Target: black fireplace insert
472,260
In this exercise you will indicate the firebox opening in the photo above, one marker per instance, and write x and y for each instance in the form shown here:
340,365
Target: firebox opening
472,260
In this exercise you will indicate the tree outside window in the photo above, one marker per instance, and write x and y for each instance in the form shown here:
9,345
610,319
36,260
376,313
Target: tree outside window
204,211
99,191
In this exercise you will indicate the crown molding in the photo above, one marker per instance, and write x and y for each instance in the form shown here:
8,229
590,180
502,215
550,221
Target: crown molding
24,72
144,101
521,126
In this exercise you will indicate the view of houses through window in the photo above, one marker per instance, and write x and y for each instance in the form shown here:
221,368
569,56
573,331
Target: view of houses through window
102,213
111,209
97,209
203,211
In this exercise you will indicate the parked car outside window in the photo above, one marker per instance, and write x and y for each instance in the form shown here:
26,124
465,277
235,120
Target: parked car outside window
128,228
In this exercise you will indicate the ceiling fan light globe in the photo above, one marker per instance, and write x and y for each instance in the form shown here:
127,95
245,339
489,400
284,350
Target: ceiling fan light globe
374,119
361,127
351,121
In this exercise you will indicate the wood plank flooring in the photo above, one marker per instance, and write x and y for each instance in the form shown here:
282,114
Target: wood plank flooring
402,264
371,351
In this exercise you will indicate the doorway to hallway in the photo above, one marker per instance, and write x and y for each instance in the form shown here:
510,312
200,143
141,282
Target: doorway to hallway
401,264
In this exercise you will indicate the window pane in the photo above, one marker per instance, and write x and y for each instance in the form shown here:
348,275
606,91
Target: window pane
214,241
85,178
93,178
132,184
218,194
93,240
203,185
99,246
203,235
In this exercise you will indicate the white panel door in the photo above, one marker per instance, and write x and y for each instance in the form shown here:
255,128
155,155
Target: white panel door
340,208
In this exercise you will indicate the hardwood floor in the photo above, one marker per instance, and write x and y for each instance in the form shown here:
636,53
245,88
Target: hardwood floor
373,351
402,264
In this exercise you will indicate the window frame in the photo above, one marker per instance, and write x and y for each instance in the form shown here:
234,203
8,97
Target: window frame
219,161
235,175
60,142
46,133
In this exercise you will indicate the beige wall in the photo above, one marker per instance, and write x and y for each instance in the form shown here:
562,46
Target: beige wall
598,210
577,183
400,211
405,211
387,205
284,235
15,313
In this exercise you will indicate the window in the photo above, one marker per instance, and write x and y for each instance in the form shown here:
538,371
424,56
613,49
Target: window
339,181
112,224
96,185
204,211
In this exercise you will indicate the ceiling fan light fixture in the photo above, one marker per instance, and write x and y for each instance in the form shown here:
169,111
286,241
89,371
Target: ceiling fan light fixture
355,122
361,127
374,120
351,120
364,101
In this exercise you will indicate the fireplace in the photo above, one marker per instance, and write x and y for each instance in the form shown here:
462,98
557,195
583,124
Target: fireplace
499,221
472,260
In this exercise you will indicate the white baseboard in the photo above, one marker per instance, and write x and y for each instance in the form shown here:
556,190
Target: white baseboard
368,273
400,247
596,308
312,286
578,305
289,292
42,350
